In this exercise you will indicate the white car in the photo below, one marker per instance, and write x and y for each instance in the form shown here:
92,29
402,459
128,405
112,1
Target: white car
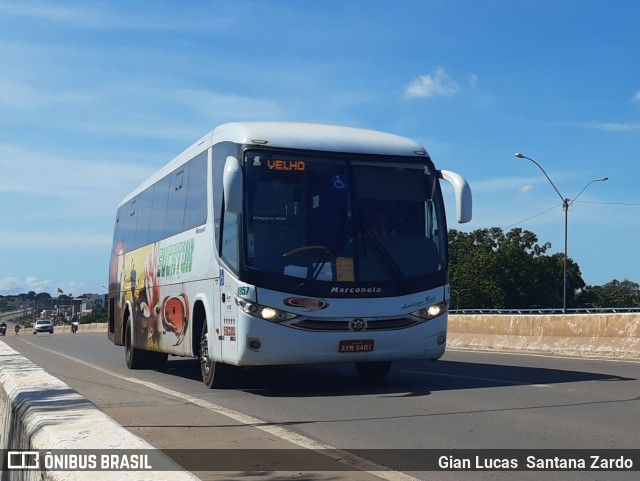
43,326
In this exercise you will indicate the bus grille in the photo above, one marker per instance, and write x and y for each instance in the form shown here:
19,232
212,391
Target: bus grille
343,325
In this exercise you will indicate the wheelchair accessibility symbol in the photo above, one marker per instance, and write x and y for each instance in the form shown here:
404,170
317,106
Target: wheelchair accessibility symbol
340,182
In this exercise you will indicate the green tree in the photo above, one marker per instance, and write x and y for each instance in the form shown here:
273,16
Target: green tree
493,270
43,296
100,315
612,294
473,267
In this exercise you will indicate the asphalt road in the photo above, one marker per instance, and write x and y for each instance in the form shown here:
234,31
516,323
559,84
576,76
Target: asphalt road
467,400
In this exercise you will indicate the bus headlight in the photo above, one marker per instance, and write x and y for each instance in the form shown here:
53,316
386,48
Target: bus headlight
432,311
265,312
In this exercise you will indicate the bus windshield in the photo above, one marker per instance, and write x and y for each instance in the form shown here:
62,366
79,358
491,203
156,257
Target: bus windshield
338,219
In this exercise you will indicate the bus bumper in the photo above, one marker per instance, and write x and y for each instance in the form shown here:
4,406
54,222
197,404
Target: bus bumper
266,343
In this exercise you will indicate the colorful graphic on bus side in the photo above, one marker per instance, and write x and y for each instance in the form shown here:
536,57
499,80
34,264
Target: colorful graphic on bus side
138,273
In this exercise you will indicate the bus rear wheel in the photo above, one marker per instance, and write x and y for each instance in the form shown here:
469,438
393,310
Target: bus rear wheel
373,372
214,374
134,357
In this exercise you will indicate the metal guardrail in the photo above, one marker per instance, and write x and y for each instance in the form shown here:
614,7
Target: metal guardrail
582,310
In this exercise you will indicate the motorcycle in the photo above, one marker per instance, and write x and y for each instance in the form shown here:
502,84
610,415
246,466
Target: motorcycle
3,329
74,327
17,329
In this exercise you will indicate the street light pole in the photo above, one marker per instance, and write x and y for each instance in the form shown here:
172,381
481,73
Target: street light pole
565,280
566,202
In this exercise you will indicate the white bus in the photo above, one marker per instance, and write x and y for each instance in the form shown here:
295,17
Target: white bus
268,243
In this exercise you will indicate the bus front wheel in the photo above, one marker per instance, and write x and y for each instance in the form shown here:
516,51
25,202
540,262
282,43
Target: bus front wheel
373,372
214,374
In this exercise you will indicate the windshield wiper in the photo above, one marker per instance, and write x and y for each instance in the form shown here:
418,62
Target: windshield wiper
318,268
386,259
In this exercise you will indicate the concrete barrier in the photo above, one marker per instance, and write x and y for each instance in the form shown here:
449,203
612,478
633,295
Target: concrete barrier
93,327
66,328
596,335
40,412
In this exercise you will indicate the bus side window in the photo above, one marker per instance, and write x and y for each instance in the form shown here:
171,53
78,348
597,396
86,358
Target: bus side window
177,200
117,230
128,224
160,195
144,218
195,212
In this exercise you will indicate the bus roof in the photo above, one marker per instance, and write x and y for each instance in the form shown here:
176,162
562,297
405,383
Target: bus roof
294,135
317,137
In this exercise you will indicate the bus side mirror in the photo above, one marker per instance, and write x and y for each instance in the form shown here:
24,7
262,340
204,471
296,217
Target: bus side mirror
232,183
462,193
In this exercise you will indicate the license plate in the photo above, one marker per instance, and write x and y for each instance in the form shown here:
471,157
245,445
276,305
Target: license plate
359,345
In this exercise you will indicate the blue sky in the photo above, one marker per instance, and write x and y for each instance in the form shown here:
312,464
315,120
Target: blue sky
97,95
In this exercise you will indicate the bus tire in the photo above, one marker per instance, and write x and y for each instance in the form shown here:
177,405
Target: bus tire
214,374
134,357
373,372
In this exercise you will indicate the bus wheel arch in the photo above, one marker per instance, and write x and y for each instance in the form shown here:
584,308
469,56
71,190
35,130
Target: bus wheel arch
137,358
214,374
199,320
126,318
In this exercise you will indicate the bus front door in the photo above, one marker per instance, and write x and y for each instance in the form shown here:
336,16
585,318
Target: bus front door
228,318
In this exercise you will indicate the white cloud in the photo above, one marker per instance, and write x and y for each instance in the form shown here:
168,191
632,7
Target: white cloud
143,118
56,241
15,285
41,10
20,95
227,106
636,97
613,126
34,172
504,184
95,15
429,86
